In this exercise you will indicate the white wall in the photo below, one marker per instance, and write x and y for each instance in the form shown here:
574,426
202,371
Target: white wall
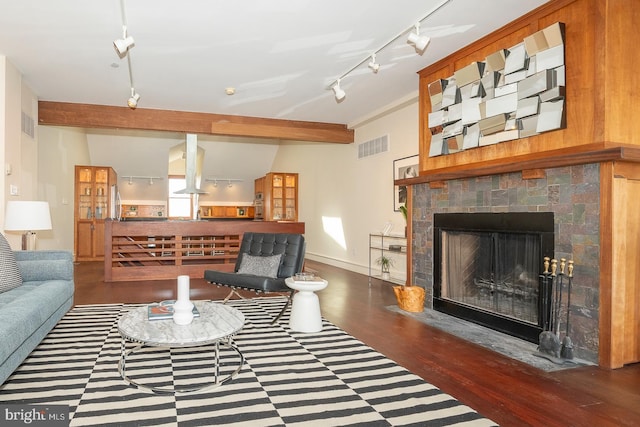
19,150
59,150
356,196
3,98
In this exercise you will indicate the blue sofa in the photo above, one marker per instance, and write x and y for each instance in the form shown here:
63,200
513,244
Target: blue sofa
28,312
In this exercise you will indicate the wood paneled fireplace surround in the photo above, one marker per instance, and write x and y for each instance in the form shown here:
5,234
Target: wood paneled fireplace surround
587,175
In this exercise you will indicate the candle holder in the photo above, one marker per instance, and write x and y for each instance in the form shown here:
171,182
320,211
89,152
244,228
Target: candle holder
183,307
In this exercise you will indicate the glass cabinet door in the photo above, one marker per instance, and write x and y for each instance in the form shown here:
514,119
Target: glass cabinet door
101,208
277,197
290,197
84,192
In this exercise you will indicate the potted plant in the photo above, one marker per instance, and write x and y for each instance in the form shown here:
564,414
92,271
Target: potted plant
385,264
403,209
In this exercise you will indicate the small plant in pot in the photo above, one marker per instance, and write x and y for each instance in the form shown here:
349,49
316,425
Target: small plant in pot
385,264
403,209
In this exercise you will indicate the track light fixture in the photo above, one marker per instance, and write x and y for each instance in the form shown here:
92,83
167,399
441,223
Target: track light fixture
339,93
229,181
124,44
151,179
373,64
419,42
133,101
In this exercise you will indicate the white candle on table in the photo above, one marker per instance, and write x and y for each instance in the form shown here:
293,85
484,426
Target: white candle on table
183,288
182,309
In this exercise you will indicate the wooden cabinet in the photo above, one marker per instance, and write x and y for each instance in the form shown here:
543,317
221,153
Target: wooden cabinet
93,203
281,196
259,185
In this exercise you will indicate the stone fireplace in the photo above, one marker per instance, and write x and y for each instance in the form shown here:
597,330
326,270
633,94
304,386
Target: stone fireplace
587,174
487,269
570,193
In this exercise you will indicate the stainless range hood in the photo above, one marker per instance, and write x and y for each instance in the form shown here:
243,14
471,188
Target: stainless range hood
191,160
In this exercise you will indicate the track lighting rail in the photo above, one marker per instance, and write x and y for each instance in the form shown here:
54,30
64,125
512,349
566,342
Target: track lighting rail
371,57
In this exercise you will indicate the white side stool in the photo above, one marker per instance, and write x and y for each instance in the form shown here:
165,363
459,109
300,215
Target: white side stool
305,308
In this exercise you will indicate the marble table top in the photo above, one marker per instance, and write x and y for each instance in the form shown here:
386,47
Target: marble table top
216,322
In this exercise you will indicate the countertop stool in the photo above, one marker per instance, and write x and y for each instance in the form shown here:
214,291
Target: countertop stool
305,309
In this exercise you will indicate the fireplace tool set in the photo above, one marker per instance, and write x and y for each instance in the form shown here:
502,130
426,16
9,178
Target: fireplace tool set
553,282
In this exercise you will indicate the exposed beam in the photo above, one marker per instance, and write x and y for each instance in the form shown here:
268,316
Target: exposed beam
104,116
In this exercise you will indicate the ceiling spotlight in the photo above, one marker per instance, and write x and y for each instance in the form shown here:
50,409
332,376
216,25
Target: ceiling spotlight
130,180
124,44
150,180
419,42
229,184
339,93
215,183
373,64
133,101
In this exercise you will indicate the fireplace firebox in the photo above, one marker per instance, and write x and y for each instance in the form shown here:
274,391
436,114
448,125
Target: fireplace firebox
487,269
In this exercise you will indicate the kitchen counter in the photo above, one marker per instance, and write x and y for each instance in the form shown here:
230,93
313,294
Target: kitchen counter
164,249
153,218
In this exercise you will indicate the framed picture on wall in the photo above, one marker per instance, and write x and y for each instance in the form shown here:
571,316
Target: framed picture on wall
406,167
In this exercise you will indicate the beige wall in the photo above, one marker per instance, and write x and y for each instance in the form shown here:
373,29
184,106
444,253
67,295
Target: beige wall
19,150
355,196
3,102
59,150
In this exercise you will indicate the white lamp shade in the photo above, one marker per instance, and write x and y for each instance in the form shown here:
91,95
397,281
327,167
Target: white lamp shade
27,216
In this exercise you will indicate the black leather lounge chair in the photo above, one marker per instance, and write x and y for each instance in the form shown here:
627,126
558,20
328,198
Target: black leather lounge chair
258,267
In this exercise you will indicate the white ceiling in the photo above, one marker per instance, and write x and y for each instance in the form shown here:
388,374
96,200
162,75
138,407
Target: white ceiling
279,55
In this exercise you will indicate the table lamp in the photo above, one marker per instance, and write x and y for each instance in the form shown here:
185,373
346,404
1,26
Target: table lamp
27,216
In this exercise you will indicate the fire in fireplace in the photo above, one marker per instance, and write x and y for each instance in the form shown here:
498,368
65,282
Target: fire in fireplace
487,269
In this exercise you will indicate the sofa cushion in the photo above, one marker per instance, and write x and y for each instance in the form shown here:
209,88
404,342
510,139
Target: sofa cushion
10,276
24,309
266,266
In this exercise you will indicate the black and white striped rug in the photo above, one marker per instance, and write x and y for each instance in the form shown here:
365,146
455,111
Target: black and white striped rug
325,379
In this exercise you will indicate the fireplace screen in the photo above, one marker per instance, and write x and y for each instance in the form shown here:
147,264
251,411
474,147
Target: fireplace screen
487,268
496,272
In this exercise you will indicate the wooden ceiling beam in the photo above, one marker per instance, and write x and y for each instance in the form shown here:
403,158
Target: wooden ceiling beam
109,117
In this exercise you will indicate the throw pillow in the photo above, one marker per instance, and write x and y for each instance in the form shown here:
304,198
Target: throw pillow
10,276
260,265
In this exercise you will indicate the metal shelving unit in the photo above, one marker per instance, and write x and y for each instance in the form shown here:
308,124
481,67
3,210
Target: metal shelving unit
393,246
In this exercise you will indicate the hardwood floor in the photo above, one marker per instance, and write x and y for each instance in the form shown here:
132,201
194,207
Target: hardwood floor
507,391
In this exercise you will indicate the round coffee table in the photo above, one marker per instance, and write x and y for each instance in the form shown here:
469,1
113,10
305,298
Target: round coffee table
217,324
305,308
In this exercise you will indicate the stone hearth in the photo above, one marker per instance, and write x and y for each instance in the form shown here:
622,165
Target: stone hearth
571,192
